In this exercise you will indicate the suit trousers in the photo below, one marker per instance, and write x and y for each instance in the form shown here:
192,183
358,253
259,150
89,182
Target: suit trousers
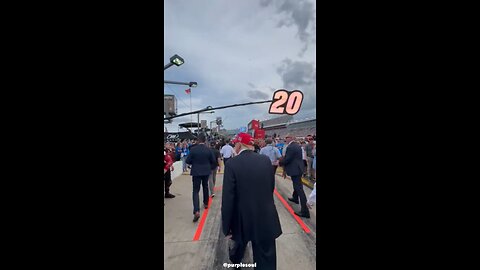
264,254
197,180
299,193
225,160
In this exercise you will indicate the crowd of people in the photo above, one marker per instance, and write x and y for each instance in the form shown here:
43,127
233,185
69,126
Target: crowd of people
271,147
250,167
223,150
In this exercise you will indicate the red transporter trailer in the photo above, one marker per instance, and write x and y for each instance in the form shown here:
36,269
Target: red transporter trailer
255,130
259,134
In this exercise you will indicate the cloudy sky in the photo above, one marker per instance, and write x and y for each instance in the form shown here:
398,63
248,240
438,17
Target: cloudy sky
240,51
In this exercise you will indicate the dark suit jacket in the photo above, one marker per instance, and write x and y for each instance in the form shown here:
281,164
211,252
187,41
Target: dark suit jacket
293,161
248,210
202,160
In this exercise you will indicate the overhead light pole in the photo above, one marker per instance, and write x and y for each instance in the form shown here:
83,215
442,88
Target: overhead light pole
174,60
191,84
178,61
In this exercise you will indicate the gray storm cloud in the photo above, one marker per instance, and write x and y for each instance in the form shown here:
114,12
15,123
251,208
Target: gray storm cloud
296,73
300,14
265,3
237,58
300,75
257,95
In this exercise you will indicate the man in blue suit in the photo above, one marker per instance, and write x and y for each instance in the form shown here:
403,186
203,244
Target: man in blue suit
202,160
294,166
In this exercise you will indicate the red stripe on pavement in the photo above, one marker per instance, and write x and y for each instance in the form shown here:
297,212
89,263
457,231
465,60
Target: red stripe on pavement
217,188
202,221
289,208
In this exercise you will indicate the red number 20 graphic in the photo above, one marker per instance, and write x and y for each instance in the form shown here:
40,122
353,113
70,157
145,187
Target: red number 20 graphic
293,101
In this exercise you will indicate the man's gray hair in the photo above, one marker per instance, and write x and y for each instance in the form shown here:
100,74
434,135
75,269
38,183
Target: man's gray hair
246,146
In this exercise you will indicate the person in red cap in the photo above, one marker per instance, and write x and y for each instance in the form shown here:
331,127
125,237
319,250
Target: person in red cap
248,209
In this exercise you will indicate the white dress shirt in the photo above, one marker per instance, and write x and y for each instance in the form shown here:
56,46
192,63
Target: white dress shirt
226,151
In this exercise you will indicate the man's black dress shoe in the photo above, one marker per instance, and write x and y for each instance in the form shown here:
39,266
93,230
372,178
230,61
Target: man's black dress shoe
302,215
292,200
196,217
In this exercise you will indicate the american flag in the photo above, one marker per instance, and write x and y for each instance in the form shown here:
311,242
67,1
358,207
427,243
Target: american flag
188,91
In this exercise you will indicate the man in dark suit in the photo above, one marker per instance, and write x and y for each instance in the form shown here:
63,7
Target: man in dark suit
202,160
248,209
294,167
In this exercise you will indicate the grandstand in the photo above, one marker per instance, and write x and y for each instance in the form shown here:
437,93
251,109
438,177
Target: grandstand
276,125
301,128
283,125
